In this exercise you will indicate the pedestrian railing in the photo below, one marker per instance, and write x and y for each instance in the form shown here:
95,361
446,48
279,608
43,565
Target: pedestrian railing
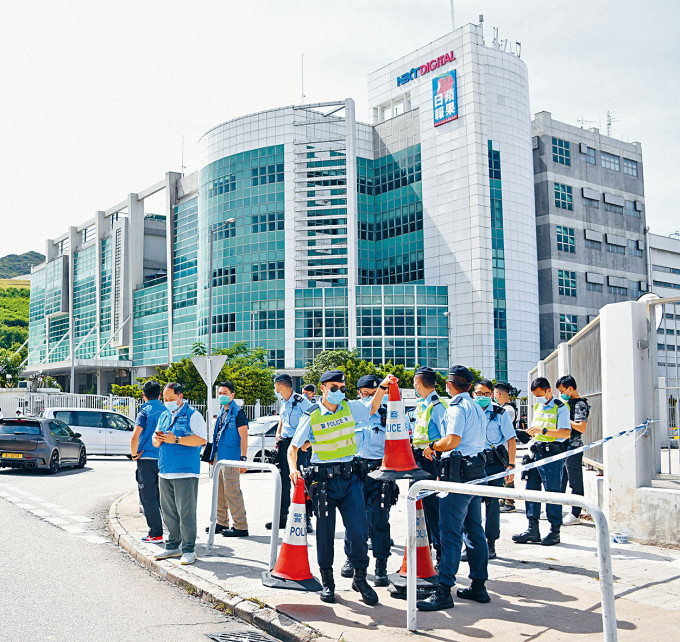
602,531
250,465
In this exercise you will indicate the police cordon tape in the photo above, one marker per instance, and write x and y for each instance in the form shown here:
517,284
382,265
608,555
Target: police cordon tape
548,460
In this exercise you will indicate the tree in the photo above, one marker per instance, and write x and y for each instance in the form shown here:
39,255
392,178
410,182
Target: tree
126,391
247,369
10,364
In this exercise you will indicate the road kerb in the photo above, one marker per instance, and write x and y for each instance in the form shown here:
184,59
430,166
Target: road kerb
264,617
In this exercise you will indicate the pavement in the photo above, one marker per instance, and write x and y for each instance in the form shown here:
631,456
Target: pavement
546,593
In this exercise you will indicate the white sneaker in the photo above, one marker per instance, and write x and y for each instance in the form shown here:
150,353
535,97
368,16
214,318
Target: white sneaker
167,553
570,520
188,558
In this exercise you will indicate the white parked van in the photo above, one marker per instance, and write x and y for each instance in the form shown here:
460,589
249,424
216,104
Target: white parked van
102,431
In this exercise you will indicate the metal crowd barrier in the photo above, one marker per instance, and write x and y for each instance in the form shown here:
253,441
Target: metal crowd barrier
251,465
602,529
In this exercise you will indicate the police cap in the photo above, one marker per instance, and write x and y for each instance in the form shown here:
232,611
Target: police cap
368,381
426,371
284,378
332,375
461,372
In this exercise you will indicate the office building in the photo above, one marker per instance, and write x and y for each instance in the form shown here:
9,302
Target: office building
410,237
590,225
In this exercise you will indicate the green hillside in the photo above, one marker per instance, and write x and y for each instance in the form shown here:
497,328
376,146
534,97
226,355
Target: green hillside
19,264
13,317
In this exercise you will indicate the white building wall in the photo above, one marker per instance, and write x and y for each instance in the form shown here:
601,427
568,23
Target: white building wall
457,216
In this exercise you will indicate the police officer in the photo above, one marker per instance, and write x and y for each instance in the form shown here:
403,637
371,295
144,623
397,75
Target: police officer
309,390
332,480
499,451
462,460
501,395
430,425
379,495
293,405
550,431
573,466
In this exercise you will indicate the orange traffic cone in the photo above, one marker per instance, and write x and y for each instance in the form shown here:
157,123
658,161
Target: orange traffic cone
398,461
292,566
427,577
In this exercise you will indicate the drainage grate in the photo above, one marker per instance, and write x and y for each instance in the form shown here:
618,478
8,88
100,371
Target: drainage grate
243,636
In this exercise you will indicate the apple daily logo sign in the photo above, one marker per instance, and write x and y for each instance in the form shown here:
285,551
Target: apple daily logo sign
425,68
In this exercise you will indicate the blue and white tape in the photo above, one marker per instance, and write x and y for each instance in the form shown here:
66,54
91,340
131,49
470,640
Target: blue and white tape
549,460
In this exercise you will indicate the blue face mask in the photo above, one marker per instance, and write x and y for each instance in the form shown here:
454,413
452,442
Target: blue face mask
565,397
336,397
541,400
279,396
483,401
171,405
224,400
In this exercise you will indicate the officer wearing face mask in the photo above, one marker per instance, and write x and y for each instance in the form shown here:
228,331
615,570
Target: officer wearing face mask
293,405
379,495
332,479
499,450
429,426
550,429
230,441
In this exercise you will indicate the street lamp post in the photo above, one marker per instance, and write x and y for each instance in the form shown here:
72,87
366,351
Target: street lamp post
229,221
447,314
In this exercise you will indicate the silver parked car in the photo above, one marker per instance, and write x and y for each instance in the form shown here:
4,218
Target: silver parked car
261,438
47,444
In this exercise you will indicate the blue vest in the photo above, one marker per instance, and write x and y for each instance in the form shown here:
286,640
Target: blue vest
174,458
152,410
227,441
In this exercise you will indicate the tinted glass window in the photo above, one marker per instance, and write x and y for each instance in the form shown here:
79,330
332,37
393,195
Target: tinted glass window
56,429
115,422
12,427
65,428
87,419
65,416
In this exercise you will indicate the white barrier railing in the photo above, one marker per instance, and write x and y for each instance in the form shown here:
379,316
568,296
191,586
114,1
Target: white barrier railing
602,530
250,465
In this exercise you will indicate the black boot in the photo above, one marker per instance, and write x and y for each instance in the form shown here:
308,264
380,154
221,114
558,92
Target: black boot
440,599
347,569
359,584
552,538
531,534
310,526
492,548
328,583
476,592
381,573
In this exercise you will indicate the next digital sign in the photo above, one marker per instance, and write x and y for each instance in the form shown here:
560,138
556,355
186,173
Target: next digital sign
425,68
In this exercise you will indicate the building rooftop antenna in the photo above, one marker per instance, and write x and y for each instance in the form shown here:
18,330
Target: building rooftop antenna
611,118
582,121
183,165
302,78
453,21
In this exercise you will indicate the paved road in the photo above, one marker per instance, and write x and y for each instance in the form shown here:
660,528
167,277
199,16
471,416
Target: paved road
61,576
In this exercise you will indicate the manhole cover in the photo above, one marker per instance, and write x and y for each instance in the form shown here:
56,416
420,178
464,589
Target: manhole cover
244,636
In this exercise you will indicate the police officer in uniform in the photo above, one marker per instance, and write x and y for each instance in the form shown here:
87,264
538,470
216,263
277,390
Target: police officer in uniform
379,495
460,515
430,425
293,406
499,452
573,466
501,396
332,480
550,431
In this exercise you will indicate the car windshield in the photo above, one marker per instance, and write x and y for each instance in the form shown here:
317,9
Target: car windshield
18,426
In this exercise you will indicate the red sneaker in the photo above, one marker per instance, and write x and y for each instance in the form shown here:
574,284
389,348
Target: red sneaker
149,538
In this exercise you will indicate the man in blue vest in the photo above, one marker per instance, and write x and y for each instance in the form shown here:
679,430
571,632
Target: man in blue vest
293,406
230,441
460,515
332,479
179,435
146,455
550,429
430,425
379,495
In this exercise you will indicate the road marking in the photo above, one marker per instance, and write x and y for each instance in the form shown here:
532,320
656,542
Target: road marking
39,513
72,528
57,521
48,504
65,511
26,506
81,519
94,539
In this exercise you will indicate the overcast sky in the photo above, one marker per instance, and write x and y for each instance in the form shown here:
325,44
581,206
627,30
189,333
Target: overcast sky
96,96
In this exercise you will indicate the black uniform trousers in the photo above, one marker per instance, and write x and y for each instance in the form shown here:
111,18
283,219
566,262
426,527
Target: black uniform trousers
347,496
431,502
492,510
573,472
147,484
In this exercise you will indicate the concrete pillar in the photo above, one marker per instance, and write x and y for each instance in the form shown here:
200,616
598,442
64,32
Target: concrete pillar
563,361
627,384
352,218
